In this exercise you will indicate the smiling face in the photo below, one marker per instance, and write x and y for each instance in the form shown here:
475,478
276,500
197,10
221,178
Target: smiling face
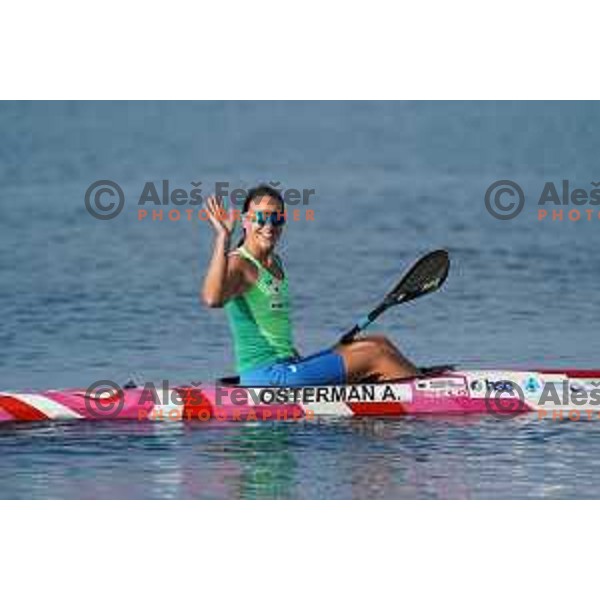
263,236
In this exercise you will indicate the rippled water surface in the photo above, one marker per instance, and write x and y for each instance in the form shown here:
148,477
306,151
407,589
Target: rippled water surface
360,458
83,299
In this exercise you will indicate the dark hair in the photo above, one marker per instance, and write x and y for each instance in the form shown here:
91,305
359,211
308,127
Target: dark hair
258,192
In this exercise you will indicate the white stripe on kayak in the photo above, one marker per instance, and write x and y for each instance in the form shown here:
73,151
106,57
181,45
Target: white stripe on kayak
51,408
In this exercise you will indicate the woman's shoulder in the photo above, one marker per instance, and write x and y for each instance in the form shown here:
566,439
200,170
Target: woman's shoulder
236,259
238,265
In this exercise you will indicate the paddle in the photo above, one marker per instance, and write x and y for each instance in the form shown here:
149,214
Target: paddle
425,276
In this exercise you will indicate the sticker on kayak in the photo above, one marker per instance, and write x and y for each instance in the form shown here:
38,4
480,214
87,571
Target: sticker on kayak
584,385
396,392
507,384
447,386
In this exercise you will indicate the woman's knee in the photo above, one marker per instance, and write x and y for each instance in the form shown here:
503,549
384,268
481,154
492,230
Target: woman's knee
381,343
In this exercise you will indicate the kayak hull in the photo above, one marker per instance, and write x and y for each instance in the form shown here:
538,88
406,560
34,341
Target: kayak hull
498,392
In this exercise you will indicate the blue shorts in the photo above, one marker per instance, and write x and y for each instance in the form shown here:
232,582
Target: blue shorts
323,368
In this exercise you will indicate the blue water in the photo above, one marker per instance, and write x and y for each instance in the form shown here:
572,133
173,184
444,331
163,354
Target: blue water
83,299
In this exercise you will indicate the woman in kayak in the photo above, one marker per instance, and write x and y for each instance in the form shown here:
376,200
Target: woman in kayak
250,283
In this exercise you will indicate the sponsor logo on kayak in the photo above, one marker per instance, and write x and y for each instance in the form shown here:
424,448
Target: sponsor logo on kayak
532,384
163,201
455,386
506,384
490,386
502,394
505,200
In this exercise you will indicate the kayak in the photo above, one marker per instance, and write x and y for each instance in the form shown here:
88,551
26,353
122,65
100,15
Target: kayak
438,390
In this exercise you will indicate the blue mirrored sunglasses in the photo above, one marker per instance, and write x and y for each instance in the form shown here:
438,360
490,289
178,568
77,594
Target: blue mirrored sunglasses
262,217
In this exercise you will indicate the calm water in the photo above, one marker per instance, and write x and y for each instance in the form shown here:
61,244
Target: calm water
83,299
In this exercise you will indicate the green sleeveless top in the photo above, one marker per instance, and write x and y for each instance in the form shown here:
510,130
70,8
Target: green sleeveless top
260,320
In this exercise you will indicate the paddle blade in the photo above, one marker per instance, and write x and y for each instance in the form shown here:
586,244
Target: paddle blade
426,275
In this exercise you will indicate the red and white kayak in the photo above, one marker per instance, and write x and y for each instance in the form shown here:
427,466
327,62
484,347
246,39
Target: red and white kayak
438,391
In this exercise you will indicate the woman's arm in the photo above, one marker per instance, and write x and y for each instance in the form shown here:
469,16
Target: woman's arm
224,277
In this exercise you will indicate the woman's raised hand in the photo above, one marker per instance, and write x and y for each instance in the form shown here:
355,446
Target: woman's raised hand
223,221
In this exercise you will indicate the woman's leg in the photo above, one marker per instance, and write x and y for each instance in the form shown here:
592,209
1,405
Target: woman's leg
374,357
